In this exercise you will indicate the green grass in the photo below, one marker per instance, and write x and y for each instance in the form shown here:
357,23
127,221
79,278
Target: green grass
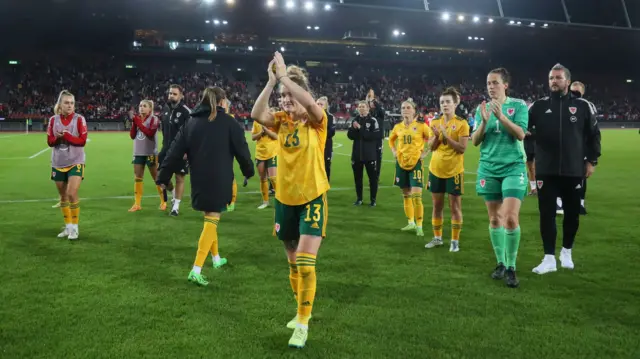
121,291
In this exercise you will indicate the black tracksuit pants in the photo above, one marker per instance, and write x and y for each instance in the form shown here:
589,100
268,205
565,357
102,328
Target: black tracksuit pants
569,189
370,166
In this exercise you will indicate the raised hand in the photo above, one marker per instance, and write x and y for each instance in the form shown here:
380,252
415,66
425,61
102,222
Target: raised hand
270,71
281,67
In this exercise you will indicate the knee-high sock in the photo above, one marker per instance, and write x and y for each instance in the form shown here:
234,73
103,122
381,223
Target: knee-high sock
138,189
208,236
264,189
306,264
498,243
66,212
74,208
408,208
273,182
234,191
418,208
512,243
294,278
436,223
456,228
162,194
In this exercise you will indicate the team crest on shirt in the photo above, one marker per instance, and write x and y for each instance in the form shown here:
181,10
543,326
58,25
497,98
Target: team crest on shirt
511,111
277,227
573,110
539,183
482,183
453,128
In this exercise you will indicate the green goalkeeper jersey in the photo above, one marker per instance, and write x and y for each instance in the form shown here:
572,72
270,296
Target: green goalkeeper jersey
501,154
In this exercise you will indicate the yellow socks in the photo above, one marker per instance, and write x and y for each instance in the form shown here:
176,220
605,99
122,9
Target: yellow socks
408,208
74,209
418,208
294,277
138,188
66,212
208,238
306,264
234,191
273,183
436,223
161,193
456,228
264,189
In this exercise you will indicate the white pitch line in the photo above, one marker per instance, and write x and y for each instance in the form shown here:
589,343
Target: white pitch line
10,136
39,153
333,189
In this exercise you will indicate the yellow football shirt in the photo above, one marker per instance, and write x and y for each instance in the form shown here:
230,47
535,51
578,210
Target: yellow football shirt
301,174
410,142
445,161
266,148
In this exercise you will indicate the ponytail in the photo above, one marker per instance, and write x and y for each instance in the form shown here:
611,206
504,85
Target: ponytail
212,96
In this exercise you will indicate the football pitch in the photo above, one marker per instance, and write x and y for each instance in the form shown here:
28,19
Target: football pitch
121,291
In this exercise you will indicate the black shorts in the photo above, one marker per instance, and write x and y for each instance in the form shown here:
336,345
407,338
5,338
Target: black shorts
184,169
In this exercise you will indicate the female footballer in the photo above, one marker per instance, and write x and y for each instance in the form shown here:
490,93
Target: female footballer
145,151
502,176
446,169
301,196
67,135
409,152
266,160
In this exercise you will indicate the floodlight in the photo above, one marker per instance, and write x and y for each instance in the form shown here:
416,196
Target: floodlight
308,5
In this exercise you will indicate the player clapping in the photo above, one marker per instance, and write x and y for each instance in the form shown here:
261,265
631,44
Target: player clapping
409,151
145,151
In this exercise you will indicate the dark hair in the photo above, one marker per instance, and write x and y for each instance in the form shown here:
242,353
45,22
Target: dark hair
451,91
506,76
176,86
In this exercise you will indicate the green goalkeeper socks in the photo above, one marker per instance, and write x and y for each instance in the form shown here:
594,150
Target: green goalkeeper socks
498,243
512,245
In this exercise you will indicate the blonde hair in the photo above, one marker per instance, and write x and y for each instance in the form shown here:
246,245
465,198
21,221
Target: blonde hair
56,107
150,104
410,102
299,76
363,102
210,99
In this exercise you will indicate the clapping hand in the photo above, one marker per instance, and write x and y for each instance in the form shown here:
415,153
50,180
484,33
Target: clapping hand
356,125
484,112
271,72
281,67
496,108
